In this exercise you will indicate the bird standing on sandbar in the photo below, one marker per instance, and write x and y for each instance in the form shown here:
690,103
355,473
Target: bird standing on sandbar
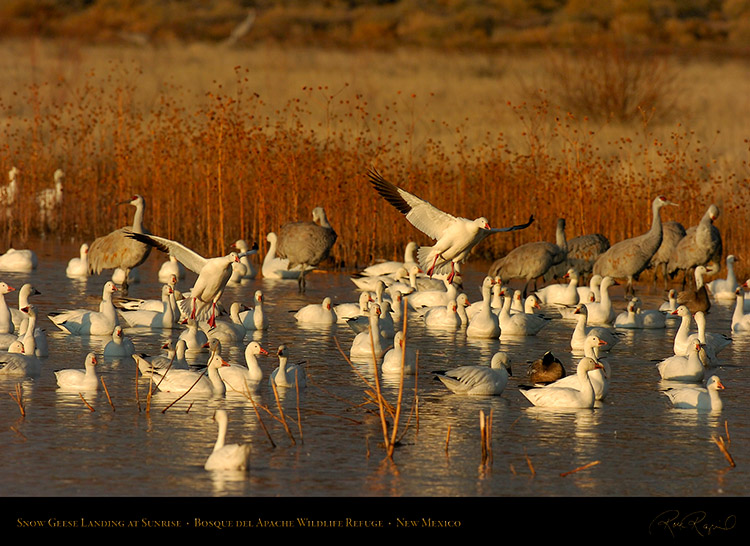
454,237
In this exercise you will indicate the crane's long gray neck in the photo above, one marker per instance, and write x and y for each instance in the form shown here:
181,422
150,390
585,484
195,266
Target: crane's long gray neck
138,217
560,236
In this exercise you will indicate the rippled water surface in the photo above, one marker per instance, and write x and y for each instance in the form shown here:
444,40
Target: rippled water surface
636,444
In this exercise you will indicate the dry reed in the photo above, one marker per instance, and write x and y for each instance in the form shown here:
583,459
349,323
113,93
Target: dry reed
18,398
106,391
89,406
723,445
584,467
242,169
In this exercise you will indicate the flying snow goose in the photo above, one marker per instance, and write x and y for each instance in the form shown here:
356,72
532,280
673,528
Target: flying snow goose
454,237
213,274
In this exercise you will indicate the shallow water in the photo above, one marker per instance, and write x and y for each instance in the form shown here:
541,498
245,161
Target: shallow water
636,444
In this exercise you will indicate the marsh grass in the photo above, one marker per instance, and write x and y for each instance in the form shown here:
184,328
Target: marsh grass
228,144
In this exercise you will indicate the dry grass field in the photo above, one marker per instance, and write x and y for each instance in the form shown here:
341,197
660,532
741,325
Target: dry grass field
232,142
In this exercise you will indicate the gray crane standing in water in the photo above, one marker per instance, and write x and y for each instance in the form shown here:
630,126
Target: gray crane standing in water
532,260
701,245
582,253
118,250
628,258
306,244
672,234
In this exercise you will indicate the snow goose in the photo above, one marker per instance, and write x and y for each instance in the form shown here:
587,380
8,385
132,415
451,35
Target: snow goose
602,312
117,249
87,322
227,331
629,318
194,337
479,380
599,378
227,456
255,318
213,274
345,311
630,257
362,347
317,313
671,303
724,289
433,298
6,315
79,267
484,324
18,261
443,317
454,237
199,383
77,380
287,375
15,362
163,318
306,244
19,316
119,346
174,359
34,339
740,320
698,398
683,368
240,378
594,286
561,294
462,303
545,370
400,354
519,324
582,330
169,268
567,397
390,267
247,269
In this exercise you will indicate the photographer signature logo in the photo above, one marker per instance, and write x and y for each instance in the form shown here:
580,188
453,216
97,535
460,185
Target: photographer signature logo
672,523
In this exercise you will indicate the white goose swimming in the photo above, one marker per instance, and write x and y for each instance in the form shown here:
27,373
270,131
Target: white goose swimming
169,268
18,261
255,318
454,237
198,383
484,324
16,363
390,267
582,331
164,318
88,322
401,352
683,368
698,398
445,318
724,289
227,456
518,324
239,378
561,294
345,311
173,360
479,380
79,267
288,375
227,331
317,313
119,346
602,311
361,347
599,377
77,380
740,319
34,339
194,337
18,315
246,270
567,397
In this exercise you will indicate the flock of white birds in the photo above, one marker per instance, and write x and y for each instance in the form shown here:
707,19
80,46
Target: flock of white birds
426,284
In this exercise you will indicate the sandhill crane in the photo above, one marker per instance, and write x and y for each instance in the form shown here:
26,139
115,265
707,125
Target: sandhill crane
274,267
696,299
582,253
699,246
672,234
454,237
117,250
213,273
628,258
48,201
532,260
9,192
306,244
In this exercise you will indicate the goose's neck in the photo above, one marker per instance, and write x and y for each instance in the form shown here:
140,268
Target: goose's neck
221,438
716,403
215,378
731,276
739,308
